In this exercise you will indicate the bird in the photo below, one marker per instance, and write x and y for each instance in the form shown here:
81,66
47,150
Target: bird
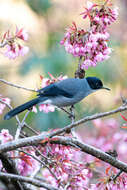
61,94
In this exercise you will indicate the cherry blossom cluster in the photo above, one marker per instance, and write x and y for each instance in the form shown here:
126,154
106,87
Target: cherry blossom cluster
65,169
91,45
13,43
107,136
107,183
26,164
45,82
68,171
2,105
68,167
5,136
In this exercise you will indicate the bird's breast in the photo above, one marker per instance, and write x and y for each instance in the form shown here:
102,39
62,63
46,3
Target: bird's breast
62,101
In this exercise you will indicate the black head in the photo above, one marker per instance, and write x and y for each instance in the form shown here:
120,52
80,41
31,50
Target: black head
95,83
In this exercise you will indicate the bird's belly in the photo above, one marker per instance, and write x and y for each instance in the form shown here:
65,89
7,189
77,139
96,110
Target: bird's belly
64,101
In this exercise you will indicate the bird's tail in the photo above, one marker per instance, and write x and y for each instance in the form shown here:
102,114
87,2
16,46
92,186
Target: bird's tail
21,108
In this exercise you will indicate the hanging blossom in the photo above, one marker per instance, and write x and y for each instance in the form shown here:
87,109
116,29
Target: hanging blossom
91,45
14,43
26,163
2,105
45,82
5,136
67,171
107,183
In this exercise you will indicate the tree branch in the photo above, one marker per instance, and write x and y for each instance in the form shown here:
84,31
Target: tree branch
116,176
90,150
20,126
27,180
10,167
44,138
71,142
89,118
17,86
34,140
40,161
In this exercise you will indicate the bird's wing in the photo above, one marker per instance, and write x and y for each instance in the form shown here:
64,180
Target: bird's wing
54,90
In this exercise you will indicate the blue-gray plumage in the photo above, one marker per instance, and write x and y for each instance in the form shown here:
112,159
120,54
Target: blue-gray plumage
61,94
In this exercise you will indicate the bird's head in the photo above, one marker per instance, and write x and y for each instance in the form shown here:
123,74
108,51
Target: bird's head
95,83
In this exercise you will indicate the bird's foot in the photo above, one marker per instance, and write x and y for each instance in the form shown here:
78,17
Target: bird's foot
69,113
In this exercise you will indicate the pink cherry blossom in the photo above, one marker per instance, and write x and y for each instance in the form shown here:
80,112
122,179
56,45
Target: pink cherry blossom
45,82
99,57
6,100
96,19
119,184
93,37
34,109
2,105
67,170
92,44
88,9
22,34
11,52
23,50
46,108
115,12
89,5
14,46
107,51
26,163
5,136
88,63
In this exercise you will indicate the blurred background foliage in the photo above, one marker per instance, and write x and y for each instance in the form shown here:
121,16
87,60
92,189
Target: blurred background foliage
46,22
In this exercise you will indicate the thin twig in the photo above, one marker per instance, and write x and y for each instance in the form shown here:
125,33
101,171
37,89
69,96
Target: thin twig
40,161
88,118
33,175
69,113
46,159
72,117
17,86
21,125
27,180
3,44
30,128
117,175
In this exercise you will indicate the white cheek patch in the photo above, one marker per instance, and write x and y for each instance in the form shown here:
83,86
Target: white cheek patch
47,102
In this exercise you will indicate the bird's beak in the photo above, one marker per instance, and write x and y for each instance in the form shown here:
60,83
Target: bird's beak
106,88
